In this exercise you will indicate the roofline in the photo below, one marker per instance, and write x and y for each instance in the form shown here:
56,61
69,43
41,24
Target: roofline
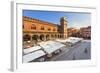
48,23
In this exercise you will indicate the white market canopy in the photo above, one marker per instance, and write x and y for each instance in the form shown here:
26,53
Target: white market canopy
51,46
31,49
61,40
33,56
71,40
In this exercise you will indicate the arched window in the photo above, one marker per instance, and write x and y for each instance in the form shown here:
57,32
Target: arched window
33,27
54,29
49,29
42,28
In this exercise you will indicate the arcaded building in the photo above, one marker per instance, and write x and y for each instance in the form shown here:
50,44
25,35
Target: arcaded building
35,30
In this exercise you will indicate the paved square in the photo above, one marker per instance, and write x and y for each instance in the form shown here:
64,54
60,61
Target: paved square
80,51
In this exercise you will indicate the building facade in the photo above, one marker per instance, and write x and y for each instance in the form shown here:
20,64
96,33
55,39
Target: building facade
73,32
86,32
35,30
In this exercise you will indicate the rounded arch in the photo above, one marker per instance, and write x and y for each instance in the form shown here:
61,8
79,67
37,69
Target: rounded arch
35,37
47,37
52,36
42,37
26,37
58,36
55,36
61,36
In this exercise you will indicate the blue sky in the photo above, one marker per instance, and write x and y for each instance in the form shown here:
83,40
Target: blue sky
75,19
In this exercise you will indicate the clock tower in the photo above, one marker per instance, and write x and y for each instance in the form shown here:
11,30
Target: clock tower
63,24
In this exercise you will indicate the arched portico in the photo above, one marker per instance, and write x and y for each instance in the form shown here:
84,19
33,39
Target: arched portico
47,37
26,37
42,37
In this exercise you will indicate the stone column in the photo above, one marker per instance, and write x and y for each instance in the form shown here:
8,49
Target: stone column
31,37
38,39
44,37
50,36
